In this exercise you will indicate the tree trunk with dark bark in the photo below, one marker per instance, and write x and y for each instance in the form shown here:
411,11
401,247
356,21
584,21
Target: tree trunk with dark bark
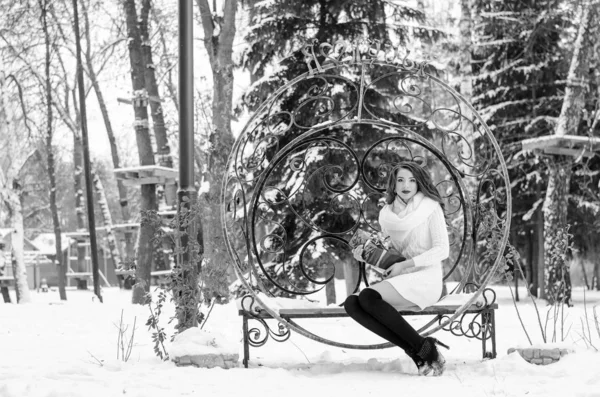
50,157
171,88
596,275
556,272
158,120
145,153
539,252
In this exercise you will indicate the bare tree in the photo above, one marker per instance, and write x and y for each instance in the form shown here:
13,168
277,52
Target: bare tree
93,76
50,154
145,153
12,158
219,32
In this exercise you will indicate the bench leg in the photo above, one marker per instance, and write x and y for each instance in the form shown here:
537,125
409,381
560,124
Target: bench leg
488,332
493,325
246,342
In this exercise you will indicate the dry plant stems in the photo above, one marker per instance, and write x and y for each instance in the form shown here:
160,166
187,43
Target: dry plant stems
519,314
583,336
124,344
596,321
537,312
100,363
212,304
546,323
587,320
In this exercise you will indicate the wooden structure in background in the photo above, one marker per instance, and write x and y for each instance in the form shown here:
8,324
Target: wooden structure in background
82,239
565,145
146,175
151,175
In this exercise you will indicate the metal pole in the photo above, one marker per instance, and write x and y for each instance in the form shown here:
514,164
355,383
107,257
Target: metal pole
186,194
86,158
186,103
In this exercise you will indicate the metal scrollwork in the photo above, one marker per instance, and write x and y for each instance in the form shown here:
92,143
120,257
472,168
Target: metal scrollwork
256,336
477,326
310,168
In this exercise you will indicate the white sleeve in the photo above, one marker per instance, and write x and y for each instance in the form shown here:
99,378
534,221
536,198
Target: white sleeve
383,231
440,246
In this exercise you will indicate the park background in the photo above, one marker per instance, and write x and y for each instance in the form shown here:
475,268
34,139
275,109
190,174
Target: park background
515,61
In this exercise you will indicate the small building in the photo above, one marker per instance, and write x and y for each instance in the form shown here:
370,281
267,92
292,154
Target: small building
37,264
69,243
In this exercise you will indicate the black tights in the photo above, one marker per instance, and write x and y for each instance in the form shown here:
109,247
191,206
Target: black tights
372,312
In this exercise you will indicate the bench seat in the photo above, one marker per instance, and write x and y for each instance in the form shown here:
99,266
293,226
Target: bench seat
319,312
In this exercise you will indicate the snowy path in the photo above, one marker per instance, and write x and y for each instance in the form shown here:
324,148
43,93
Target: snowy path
47,348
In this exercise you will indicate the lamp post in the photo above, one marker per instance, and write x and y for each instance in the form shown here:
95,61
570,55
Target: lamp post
186,194
186,102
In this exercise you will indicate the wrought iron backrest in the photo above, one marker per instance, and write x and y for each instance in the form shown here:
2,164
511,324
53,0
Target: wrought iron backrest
310,168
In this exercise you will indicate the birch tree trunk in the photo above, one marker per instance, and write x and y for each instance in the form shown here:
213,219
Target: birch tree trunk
79,206
50,158
219,47
556,273
12,200
145,154
121,188
106,218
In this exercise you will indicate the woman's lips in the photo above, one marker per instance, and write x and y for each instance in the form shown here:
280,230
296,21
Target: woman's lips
406,191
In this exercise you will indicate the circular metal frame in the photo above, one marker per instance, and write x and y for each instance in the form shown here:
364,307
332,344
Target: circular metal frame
251,163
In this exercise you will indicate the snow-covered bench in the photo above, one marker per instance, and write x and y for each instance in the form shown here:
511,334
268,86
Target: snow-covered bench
478,321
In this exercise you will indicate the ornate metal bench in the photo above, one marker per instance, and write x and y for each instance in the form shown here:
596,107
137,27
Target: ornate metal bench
310,168
481,325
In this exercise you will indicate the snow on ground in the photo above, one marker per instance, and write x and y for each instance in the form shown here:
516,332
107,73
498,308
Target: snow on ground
52,348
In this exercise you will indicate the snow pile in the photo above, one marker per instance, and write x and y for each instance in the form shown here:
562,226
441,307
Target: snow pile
196,342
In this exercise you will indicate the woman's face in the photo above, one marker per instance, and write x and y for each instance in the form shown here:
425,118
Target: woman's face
406,184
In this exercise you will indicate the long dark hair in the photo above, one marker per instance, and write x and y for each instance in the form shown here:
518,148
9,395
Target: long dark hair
424,182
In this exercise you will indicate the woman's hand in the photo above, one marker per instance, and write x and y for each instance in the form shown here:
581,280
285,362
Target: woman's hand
398,268
357,253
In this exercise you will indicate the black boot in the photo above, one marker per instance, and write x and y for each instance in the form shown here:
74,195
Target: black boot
431,355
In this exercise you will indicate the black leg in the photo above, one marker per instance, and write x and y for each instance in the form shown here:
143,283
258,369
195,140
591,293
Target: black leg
246,342
493,325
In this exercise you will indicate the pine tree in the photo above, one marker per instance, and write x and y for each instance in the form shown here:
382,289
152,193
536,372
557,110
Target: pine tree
519,74
279,31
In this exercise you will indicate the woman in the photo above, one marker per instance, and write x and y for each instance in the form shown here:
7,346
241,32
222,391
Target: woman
414,219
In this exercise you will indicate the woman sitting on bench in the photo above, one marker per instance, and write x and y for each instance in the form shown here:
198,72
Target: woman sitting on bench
414,220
